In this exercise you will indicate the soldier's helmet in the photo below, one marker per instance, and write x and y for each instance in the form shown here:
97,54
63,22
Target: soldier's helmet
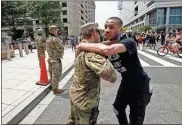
86,28
40,32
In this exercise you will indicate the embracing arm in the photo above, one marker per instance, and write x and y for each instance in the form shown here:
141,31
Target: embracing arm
102,49
101,66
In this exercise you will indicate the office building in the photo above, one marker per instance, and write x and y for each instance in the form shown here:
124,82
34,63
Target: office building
160,15
75,13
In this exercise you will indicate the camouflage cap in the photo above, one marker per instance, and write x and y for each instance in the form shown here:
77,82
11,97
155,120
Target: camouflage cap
52,27
88,27
40,31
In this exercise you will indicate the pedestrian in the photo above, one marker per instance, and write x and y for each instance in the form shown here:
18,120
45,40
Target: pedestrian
134,38
55,51
30,44
140,41
40,42
178,41
85,89
162,38
134,87
152,42
73,43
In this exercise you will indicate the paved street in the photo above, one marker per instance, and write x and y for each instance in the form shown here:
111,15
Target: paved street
165,106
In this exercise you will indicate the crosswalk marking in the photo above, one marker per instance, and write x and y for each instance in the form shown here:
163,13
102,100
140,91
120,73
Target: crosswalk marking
143,63
168,56
156,59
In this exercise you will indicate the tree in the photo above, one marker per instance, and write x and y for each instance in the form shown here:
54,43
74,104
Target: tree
46,11
125,29
145,28
11,12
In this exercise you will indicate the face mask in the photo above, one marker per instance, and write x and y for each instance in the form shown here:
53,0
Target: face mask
115,37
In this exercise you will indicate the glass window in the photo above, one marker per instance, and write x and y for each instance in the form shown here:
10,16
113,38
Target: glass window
178,19
172,11
64,12
37,21
160,12
172,19
65,28
178,11
64,4
175,20
65,20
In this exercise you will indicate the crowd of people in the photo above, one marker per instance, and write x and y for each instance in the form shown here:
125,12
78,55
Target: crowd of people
151,38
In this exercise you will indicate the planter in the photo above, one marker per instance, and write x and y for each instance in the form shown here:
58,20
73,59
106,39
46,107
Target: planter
4,54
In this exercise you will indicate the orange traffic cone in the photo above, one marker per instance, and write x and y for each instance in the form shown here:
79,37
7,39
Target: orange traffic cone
43,74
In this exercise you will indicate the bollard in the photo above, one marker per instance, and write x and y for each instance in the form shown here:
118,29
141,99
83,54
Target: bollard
26,48
20,49
8,50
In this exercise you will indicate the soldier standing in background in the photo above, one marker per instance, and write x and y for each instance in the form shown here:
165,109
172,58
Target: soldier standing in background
40,42
85,89
55,51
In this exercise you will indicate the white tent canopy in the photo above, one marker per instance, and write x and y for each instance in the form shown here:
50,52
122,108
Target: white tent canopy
129,31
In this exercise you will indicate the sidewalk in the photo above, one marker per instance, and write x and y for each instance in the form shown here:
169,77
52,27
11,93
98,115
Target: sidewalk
18,83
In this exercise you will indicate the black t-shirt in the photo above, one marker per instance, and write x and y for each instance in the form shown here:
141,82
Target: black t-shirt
128,64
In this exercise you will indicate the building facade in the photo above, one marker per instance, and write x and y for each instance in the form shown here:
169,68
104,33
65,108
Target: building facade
160,15
75,13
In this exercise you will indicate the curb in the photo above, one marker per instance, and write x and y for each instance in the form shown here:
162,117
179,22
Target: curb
18,117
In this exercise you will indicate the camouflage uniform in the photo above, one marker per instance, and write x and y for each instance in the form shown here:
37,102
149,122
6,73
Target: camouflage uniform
85,89
40,44
55,51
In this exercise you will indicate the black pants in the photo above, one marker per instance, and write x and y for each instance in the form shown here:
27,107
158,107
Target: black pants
137,102
162,42
30,47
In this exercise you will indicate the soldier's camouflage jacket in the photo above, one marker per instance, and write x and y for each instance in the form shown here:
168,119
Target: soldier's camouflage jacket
54,47
40,43
85,89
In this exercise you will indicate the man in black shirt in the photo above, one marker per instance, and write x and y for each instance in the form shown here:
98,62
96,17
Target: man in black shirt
134,87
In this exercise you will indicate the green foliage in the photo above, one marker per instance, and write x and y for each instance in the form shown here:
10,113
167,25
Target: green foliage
145,28
11,12
124,29
46,11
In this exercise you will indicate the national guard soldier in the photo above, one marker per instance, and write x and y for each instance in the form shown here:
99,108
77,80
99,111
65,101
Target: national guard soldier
85,89
40,41
55,51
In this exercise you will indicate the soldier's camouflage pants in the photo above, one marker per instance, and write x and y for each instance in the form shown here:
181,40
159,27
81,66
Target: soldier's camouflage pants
40,53
55,70
79,117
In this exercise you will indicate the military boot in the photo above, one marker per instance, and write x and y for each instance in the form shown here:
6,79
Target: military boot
58,91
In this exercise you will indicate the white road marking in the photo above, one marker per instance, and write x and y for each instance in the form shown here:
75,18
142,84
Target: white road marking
143,63
167,56
156,59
